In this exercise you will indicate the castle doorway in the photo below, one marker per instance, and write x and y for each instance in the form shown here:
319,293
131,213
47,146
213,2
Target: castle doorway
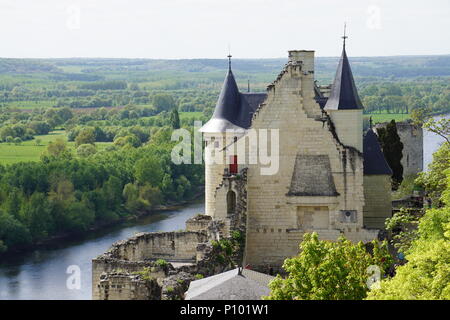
231,202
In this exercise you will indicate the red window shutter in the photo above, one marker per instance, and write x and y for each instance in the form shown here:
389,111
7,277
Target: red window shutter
233,165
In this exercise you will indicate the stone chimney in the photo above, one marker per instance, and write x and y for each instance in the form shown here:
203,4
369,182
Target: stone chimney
305,56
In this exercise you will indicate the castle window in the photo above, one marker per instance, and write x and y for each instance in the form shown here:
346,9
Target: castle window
231,202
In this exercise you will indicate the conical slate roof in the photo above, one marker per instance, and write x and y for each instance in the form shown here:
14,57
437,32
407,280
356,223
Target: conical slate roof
227,106
374,161
343,95
234,109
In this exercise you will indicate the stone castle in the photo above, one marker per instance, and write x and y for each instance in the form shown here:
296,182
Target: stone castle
331,179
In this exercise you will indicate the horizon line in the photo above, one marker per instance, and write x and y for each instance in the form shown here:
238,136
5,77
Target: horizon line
274,58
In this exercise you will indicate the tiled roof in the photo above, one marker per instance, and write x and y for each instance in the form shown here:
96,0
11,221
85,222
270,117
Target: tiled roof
230,285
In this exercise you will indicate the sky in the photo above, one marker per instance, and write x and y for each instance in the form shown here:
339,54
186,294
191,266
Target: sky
173,29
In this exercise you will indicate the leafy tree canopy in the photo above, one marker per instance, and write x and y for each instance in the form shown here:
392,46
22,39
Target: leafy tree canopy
326,270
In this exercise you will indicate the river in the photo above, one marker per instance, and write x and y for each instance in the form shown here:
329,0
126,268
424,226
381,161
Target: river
41,273
431,142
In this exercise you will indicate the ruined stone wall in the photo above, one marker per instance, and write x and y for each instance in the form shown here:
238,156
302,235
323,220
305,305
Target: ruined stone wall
125,286
199,222
412,138
104,265
158,245
140,251
275,226
378,202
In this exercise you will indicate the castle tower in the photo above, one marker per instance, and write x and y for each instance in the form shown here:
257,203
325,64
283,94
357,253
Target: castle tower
344,106
225,125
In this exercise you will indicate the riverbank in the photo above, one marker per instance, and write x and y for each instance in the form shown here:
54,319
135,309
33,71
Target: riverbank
73,236
42,274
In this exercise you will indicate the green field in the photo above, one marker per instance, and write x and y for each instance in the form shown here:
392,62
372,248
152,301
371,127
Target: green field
27,105
29,151
386,117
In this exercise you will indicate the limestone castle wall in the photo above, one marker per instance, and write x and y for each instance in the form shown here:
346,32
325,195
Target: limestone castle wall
347,123
378,202
412,138
217,149
276,220
214,171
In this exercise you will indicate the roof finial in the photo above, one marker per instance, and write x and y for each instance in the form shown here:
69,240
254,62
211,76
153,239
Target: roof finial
345,36
370,122
229,57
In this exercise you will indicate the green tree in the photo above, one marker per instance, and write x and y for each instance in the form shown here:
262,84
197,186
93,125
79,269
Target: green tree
17,141
14,202
12,232
426,275
150,196
36,213
131,140
149,171
80,216
85,136
440,127
57,148
9,139
175,119
132,201
392,149
434,180
86,150
112,192
163,102
326,270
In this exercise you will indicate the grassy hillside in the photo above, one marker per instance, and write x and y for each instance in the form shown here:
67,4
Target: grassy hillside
31,151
